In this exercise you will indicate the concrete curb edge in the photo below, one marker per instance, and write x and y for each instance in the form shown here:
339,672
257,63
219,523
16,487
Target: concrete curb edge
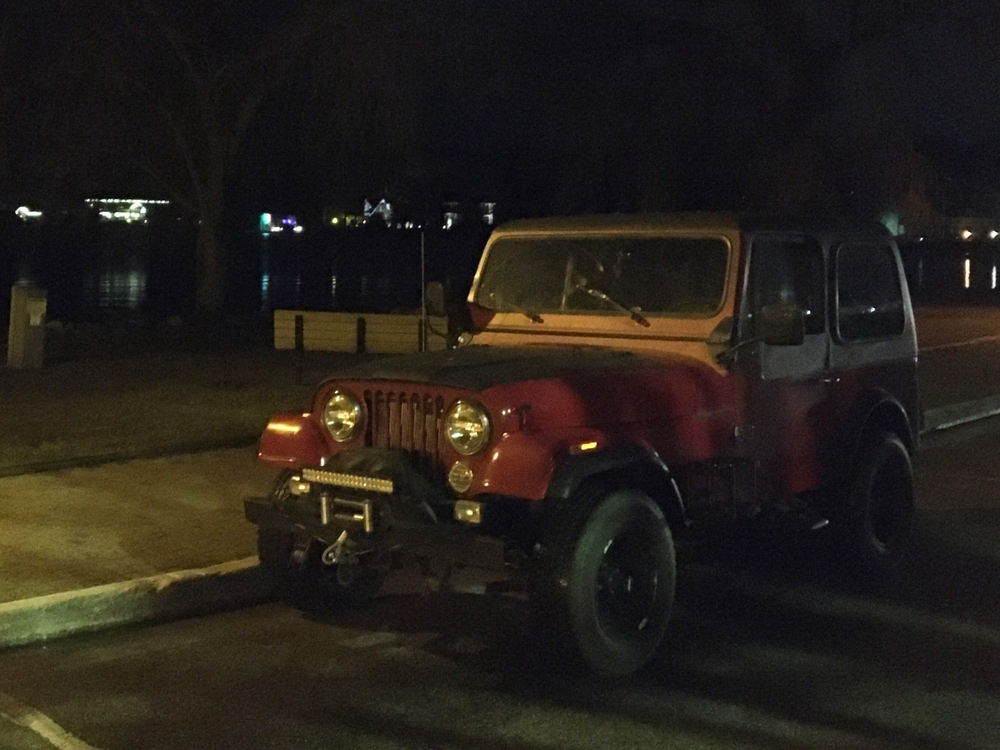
168,596
121,456
954,415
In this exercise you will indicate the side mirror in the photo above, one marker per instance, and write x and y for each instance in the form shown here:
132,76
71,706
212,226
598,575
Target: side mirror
781,324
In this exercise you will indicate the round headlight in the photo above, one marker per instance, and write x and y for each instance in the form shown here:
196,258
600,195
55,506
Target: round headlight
341,415
468,428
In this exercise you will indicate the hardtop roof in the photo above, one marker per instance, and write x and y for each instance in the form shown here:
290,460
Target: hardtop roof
699,221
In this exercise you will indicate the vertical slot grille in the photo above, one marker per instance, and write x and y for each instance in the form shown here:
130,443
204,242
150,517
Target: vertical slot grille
409,422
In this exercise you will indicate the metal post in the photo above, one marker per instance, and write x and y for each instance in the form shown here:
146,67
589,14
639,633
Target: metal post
300,346
423,295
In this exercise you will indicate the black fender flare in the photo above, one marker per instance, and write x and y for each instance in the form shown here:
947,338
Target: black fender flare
629,463
878,411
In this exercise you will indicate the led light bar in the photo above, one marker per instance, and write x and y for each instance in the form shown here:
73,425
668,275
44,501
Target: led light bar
352,481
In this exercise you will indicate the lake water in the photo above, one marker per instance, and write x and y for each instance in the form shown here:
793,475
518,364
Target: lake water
144,272
128,271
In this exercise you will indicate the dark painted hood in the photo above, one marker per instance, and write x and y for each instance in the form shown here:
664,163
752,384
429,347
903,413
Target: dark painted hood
480,367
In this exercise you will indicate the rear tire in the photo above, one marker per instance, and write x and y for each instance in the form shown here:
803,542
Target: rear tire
614,579
880,508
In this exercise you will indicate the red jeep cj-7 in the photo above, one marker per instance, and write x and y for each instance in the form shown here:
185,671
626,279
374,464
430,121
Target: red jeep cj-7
626,379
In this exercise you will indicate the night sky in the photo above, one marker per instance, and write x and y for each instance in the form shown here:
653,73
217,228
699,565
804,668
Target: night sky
543,107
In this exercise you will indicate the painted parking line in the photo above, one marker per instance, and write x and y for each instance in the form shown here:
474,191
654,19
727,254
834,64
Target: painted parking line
24,716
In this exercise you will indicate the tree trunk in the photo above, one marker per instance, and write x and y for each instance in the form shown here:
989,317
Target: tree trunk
209,270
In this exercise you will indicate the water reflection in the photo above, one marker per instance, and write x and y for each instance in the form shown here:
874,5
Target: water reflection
121,290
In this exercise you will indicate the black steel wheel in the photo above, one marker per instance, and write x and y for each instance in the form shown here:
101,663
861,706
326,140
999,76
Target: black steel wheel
615,574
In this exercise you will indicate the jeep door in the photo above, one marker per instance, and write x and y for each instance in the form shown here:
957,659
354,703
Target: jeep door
787,384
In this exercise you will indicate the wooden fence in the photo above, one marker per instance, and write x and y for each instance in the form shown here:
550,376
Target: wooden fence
356,332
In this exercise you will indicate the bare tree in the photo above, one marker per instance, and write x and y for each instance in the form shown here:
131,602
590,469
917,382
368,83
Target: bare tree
199,74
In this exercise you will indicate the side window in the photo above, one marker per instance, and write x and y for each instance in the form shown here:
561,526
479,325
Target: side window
788,270
869,296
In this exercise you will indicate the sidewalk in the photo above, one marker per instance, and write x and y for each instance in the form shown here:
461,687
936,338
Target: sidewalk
123,468
159,532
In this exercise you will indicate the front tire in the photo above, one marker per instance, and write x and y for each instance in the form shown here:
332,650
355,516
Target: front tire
615,574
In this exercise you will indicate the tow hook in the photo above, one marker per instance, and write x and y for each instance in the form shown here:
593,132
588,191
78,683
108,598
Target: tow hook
339,556
337,552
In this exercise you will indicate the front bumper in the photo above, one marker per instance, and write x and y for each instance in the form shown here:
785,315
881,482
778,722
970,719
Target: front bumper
376,503
443,544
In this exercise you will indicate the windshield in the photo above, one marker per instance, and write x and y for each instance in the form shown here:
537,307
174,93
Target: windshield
645,276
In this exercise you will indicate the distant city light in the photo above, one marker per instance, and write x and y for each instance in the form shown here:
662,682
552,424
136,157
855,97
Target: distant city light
113,201
890,220
269,225
24,213
129,210
382,209
488,210
967,276
966,234
335,220
993,234
451,215
993,277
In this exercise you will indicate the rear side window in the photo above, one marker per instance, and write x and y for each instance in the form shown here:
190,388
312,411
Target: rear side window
869,296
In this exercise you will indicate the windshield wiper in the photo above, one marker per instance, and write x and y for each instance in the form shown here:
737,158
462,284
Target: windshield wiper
580,283
532,316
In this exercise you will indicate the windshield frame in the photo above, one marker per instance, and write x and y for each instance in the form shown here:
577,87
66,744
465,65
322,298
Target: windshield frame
487,298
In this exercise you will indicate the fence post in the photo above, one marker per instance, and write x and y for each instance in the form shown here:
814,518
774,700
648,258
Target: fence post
361,335
300,346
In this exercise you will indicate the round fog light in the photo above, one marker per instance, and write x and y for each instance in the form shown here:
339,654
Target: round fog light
460,477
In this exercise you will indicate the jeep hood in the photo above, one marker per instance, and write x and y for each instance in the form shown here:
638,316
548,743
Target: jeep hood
679,405
480,367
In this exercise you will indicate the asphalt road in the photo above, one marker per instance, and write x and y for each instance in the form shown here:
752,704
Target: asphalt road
770,649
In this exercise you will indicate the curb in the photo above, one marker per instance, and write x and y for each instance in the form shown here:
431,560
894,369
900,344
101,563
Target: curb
168,596
954,415
120,456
